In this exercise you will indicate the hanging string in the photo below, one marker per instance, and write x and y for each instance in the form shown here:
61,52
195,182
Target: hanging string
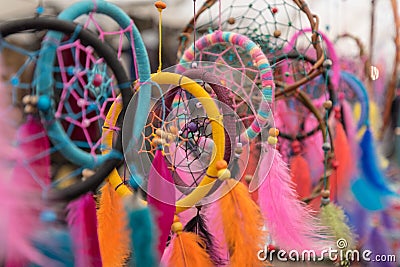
194,29
160,5
219,15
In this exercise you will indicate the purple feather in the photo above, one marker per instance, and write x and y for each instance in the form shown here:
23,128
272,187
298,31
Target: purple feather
379,246
82,221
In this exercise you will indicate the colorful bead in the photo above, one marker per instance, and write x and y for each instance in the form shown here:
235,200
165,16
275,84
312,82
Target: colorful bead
97,80
326,147
327,104
325,193
221,164
224,174
177,227
272,140
160,5
273,132
44,103
231,20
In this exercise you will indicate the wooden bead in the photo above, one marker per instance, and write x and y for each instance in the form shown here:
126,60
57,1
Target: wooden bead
34,99
29,109
272,140
26,99
325,193
238,150
231,20
273,132
156,141
277,33
177,227
160,5
86,173
224,174
327,104
248,178
221,164
173,130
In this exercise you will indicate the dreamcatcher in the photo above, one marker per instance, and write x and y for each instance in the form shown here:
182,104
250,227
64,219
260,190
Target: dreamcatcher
296,57
43,166
219,47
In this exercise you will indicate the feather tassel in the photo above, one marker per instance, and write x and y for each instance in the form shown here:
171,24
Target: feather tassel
142,235
82,222
370,164
345,168
291,223
56,245
334,218
112,228
21,188
187,249
300,171
371,189
161,198
198,226
242,224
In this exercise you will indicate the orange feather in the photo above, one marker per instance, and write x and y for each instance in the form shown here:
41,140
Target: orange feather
340,178
113,234
242,224
188,250
301,175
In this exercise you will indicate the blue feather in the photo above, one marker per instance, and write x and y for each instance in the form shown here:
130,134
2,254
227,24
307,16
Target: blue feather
56,245
142,237
368,195
369,165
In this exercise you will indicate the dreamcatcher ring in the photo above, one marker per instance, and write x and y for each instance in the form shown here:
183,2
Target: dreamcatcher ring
217,133
302,5
45,82
301,96
109,56
362,54
361,92
261,61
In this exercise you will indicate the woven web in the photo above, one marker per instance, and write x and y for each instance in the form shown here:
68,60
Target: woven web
85,92
119,38
186,139
80,106
270,24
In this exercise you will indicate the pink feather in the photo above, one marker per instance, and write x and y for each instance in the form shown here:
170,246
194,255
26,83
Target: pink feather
22,191
82,222
291,223
161,198
20,197
350,125
313,152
